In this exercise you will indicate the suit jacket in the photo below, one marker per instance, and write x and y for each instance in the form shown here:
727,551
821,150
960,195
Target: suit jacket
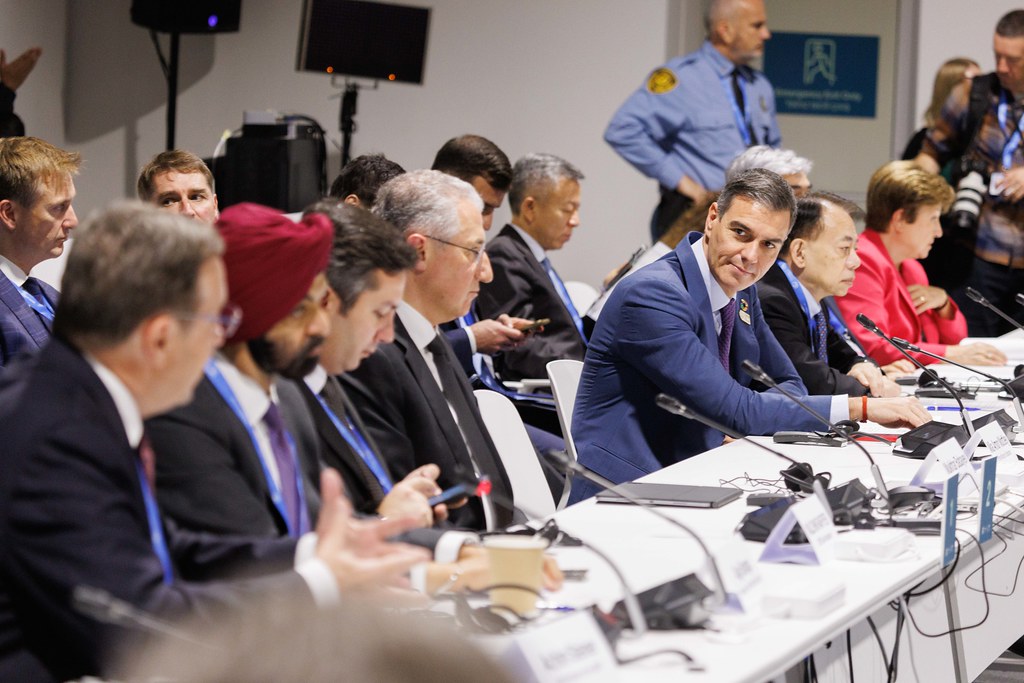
22,330
72,514
522,288
208,474
880,292
409,419
458,339
789,324
657,334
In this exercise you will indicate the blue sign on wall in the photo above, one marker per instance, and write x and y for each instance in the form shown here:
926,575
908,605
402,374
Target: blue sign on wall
823,74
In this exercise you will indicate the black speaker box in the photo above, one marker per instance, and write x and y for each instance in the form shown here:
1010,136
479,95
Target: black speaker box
194,16
280,172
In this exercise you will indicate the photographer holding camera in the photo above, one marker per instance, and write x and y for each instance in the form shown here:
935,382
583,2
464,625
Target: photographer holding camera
981,124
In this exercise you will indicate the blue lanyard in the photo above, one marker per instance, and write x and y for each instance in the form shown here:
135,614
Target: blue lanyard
1014,140
156,528
39,307
799,291
742,120
358,444
468,319
563,294
295,527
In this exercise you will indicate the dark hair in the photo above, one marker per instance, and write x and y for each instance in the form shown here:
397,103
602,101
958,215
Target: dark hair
363,244
760,186
363,176
810,211
177,160
469,156
1011,25
130,262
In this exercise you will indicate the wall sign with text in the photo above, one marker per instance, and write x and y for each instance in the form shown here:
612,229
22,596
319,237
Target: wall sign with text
823,74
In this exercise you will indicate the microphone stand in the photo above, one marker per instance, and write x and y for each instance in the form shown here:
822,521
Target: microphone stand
907,346
977,297
867,323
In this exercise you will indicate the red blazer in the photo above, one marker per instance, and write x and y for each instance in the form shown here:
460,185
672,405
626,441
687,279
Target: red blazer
880,292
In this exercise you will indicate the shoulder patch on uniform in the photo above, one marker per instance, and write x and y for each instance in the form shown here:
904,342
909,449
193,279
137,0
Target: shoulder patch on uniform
662,81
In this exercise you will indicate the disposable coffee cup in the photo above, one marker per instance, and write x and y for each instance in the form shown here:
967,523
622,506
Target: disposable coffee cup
517,567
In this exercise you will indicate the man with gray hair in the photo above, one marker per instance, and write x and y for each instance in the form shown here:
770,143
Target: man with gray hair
683,326
412,394
793,168
141,312
545,202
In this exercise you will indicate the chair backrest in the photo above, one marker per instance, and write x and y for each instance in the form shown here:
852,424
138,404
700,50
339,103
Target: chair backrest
565,380
582,295
529,487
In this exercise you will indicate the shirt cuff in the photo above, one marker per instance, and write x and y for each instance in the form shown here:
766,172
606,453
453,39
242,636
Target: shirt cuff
840,408
418,577
448,546
315,572
472,339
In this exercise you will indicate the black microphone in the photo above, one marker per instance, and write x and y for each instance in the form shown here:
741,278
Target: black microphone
907,346
101,606
568,464
756,372
629,599
976,296
872,327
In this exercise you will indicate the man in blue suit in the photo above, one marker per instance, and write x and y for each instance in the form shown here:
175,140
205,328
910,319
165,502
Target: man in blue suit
682,326
36,218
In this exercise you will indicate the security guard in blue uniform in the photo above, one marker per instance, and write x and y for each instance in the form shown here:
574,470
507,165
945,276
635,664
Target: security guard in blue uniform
698,111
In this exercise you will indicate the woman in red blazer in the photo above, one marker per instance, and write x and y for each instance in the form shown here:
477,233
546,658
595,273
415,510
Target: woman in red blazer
904,203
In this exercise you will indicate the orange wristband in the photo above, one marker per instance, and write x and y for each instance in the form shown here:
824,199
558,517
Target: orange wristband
864,408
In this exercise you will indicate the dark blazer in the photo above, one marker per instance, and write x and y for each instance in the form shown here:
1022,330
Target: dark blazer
458,339
788,322
72,514
21,329
657,334
522,288
361,485
409,419
208,474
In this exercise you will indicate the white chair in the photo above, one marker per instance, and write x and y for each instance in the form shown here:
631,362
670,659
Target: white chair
529,487
582,295
565,381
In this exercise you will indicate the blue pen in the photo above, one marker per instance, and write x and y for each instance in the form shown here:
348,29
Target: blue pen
954,409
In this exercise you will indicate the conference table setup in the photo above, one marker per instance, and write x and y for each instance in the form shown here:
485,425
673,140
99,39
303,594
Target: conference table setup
842,589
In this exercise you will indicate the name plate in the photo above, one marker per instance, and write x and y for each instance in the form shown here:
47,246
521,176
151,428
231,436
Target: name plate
571,648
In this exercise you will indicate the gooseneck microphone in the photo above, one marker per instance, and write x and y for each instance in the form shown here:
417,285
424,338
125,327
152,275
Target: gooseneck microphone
757,373
907,346
870,326
567,463
976,296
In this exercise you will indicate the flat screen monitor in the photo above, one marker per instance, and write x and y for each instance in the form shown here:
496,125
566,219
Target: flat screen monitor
369,39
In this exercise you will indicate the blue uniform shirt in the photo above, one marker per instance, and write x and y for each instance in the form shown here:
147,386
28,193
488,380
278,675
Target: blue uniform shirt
682,121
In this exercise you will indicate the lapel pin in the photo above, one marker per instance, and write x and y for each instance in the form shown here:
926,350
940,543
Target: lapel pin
744,311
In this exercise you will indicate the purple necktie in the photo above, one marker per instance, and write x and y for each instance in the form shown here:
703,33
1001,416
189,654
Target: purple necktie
725,336
821,327
285,460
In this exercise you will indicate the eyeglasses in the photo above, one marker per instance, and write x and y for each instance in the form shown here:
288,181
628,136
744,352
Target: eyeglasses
227,321
478,254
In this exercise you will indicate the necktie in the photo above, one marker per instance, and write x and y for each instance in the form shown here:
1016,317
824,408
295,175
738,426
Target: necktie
146,468
286,467
39,302
563,294
484,459
821,327
725,336
148,459
737,92
370,468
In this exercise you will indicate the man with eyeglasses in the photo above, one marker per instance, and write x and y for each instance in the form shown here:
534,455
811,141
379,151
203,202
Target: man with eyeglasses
412,394
545,202
36,219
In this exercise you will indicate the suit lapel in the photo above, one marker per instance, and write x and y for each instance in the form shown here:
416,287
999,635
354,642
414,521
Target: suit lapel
693,280
537,266
29,319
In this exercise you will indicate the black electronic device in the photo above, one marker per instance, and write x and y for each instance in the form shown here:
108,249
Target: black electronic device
918,442
194,16
455,493
846,502
672,495
809,438
674,605
284,172
375,40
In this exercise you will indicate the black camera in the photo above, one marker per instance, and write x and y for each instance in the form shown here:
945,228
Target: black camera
970,193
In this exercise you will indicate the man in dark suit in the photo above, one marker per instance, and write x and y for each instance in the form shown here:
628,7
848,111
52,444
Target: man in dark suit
683,325
817,260
545,201
140,313
242,457
36,218
412,395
